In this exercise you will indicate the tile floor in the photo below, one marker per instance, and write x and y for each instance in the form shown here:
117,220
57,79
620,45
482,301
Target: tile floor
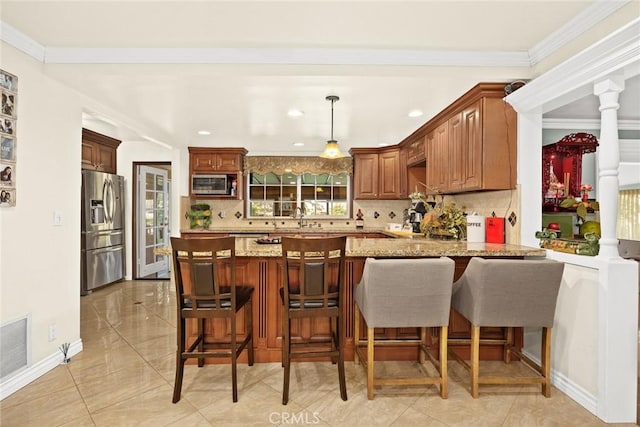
124,377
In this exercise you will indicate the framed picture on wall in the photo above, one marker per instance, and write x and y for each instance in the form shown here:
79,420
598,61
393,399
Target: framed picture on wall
8,119
8,105
7,197
7,149
7,174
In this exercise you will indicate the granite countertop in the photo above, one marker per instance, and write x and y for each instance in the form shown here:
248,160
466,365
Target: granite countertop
415,247
275,231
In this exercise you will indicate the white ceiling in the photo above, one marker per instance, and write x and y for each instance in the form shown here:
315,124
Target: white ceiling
164,70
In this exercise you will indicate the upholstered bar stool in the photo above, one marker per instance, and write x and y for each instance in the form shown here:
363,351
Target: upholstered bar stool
398,293
206,290
508,293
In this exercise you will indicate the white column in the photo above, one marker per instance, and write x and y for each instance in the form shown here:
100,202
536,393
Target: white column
530,175
608,161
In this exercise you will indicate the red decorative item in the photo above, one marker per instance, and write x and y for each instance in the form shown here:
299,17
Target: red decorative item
566,158
495,229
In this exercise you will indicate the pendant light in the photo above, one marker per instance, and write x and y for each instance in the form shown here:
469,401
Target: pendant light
331,150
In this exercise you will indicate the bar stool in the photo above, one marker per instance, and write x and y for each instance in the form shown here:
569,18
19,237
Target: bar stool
508,293
398,293
313,287
205,276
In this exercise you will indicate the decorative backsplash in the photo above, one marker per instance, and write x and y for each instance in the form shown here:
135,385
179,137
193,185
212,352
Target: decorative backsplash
377,213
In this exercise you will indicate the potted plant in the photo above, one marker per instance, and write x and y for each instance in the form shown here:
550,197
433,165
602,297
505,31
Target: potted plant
447,221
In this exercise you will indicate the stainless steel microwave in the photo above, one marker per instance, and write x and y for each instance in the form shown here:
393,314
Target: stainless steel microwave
209,184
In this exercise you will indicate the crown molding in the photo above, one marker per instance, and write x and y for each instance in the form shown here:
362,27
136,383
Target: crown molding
587,124
20,41
579,24
617,53
293,56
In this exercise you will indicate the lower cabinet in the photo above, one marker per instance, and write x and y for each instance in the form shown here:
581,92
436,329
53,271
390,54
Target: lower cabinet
265,275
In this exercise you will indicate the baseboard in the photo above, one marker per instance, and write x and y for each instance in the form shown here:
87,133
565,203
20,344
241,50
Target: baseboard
571,389
35,371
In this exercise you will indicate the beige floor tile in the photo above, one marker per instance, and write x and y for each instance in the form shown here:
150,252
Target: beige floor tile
62,407
87,367
53,382
149,408
193,420
105,391
413,418
125,375
258,405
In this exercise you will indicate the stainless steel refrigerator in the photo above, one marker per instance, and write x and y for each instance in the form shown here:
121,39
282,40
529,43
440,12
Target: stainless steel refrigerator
102,233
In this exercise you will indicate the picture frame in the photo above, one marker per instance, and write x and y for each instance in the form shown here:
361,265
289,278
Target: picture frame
7,149
7,197
8,104
7,174
7,125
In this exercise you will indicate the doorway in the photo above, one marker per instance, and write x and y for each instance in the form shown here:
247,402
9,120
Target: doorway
151,219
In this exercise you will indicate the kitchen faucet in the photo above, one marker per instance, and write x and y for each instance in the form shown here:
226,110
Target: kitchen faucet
300,210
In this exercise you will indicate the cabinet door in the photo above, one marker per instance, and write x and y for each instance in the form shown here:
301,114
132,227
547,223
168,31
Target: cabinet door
227,162
366,176
456,153
106,158
88,155
203,162
389,175
472,139
437,159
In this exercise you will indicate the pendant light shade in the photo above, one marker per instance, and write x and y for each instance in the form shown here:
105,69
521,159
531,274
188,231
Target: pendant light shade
331,150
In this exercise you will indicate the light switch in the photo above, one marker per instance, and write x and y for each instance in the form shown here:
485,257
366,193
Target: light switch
57,217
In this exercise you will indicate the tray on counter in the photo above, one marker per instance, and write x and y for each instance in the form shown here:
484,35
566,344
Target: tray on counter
269,240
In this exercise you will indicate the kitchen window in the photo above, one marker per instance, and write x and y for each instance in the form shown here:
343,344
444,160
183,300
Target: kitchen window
320,195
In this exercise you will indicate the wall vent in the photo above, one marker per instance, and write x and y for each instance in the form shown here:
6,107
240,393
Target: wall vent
14,342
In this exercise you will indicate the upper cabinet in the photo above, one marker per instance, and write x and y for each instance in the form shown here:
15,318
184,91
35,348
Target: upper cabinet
99,152
471,145
216,173
416,151
377,173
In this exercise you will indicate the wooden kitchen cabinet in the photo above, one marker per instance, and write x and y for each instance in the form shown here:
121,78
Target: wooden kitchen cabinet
99,152
438,159
416,151
217,161
377,173
208,160
471,144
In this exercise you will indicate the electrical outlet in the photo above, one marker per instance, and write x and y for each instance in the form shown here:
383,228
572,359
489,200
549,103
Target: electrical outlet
52,332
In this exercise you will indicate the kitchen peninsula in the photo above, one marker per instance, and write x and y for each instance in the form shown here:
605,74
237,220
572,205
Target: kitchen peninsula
260,266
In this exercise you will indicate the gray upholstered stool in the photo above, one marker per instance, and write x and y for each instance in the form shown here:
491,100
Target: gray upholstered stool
509,293
398,293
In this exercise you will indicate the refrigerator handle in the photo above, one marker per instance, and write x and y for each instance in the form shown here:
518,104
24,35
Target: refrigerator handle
108,203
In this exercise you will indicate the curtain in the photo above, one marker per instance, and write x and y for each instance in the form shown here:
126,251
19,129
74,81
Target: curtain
629,215
297,165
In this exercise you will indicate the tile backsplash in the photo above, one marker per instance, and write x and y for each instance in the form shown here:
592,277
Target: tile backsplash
377,213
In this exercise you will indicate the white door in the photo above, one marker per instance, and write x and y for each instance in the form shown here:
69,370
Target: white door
153,220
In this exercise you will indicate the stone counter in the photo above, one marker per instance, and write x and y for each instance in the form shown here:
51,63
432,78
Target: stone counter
413,247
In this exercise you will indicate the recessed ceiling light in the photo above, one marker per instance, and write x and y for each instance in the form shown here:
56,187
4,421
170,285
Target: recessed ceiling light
298,144
382,144
415,113
295,113
204,132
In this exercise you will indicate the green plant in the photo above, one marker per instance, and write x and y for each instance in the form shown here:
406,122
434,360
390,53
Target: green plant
447,220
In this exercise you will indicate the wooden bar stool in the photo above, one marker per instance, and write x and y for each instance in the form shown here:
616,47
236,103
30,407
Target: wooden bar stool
205,275
508,293
313,287
398,293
